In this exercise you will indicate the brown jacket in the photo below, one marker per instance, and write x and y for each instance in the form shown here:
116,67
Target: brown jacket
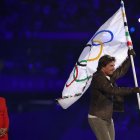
105,93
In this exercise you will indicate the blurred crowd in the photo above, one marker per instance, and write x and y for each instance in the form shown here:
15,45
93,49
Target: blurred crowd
27,25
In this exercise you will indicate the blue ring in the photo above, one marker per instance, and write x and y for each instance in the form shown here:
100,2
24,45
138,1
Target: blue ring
112,36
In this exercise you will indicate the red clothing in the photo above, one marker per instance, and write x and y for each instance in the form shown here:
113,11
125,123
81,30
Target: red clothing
4,119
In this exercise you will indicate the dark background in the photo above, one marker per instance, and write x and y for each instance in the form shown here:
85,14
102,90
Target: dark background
40,41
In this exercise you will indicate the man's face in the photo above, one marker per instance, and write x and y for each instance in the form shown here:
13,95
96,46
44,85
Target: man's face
109,68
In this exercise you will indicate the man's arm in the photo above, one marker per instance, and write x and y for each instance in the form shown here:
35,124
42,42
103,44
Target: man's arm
121,70
106,88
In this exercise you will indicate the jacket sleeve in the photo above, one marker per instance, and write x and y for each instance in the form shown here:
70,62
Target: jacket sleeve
121,70
118,104
105,87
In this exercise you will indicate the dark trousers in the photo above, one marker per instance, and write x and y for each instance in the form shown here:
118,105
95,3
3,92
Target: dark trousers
104,130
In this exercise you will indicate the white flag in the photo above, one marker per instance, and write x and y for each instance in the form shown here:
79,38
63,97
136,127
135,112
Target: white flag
109,39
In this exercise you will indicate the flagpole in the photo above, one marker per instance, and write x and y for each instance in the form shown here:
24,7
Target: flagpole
130,46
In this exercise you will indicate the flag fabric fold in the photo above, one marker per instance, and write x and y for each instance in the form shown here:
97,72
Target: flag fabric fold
109,39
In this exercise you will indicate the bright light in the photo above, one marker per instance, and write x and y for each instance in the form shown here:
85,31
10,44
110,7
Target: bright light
138,19
132,29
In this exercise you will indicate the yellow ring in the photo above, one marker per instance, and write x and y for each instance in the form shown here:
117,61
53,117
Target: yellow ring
96,58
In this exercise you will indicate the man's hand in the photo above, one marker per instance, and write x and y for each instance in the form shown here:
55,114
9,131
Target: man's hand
136,90
131,52
3,131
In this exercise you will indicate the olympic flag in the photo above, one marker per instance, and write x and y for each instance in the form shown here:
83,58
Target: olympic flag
109,39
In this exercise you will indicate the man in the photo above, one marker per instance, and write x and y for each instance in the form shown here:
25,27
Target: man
4,120
106,96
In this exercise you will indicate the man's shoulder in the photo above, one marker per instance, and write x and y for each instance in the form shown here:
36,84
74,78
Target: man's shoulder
98,76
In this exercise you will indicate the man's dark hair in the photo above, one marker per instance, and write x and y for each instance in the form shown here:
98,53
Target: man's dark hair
104,60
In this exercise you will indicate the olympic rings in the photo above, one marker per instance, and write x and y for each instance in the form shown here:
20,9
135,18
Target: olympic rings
112,36
77,80
98,56
67,85
92,59
75,73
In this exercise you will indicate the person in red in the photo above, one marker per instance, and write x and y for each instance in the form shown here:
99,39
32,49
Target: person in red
4,120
